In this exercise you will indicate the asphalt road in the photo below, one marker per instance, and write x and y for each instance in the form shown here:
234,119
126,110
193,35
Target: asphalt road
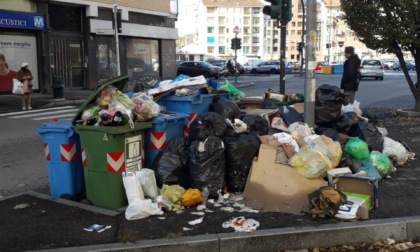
392,92
23,164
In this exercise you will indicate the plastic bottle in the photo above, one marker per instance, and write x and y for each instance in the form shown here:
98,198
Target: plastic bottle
117,119
106,120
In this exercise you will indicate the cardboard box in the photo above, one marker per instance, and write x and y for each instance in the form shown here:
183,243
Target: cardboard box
167,85
275,187
359,185
337,171
357,205
300,107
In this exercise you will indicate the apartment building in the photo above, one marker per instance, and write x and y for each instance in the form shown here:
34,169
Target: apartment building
217,20
73,40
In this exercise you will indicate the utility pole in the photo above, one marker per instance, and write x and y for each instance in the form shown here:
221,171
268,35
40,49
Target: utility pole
329,39
236,31
302,38
282,57
310,82
117,40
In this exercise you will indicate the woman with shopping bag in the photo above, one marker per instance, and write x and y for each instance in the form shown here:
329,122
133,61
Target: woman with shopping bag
24,75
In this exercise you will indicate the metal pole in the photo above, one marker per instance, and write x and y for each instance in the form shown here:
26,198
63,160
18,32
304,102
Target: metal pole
117,40
310,82
282,58
302,37
236,37
329,39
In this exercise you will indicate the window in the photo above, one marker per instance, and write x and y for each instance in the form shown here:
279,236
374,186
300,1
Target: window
246,40
211,10
222,49
293,48
210,40
245,49
293,32
293,24
210,49
246,20
255,40
299,32
221,20
227,30
255,20
221,39
256,30
371,63
222,10
255,49
210,29
245,31
210,20
221,30
256,10
299,23
292,57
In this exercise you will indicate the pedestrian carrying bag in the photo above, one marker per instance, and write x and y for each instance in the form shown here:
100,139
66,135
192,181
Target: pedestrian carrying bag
17,87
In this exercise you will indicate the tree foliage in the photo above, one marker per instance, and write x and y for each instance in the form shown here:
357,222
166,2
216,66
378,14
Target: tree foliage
391,26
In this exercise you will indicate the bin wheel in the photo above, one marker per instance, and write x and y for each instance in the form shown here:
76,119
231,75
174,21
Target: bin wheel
66,196
86,202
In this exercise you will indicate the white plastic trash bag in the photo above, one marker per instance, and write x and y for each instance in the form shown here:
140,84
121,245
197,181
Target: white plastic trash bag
132,187
141,209
148,182
383,131
353,107
303,129
395,151
285,138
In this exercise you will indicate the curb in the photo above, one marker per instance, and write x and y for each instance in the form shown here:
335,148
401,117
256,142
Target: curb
400,229
407,113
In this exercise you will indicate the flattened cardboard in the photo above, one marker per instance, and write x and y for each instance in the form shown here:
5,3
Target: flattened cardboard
363,201
300,107
360,185
276,187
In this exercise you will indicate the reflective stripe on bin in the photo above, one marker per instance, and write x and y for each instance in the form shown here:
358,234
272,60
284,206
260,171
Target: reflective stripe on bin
115,161
68,152
187,127
158,140
47,152
84,158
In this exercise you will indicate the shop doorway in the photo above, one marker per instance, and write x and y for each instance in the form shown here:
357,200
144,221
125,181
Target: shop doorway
68,62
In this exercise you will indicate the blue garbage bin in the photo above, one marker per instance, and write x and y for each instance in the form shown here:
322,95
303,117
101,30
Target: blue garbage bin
64,159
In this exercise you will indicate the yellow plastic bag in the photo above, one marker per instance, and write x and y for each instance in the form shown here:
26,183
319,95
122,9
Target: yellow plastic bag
310,163
173,192
332,150
191,197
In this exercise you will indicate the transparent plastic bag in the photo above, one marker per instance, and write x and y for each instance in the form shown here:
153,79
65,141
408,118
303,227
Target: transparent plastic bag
141,209
329,148
310,163
355,107
132,187
357,148
173,192
381,162
302,128
145,108
395,150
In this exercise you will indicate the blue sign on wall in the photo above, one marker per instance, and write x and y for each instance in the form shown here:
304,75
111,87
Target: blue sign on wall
22,20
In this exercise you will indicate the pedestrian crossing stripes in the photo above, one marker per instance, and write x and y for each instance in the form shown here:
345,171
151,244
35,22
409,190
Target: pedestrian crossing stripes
66,112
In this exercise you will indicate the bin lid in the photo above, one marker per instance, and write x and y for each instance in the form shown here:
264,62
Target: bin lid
169,116
118,82
60,124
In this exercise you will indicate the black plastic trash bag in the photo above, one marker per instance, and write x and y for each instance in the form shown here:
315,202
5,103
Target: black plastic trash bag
290,115
225,107
207,165
372,118
370,134
256,124
348,161
348,123
240,152
328,102
170,165
207,124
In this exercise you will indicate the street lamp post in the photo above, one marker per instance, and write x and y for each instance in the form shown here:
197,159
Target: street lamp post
329,39
117,41
236,31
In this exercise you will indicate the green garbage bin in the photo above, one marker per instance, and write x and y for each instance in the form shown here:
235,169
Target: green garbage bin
107,152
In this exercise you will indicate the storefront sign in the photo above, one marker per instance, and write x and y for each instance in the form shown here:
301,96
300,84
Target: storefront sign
22,20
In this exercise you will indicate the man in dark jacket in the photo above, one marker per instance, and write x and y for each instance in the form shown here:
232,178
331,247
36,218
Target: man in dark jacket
350,80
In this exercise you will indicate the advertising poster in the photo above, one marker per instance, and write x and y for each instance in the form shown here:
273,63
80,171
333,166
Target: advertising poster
18,49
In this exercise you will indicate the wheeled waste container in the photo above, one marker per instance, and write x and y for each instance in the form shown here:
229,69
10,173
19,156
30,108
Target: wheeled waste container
63,156
108,151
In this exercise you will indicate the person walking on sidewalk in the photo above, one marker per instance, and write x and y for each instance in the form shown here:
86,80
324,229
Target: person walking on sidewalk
6,75
24,75
351,75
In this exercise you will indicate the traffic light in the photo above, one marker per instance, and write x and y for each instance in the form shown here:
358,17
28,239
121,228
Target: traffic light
238,43
287,14
233,43
275,10
300,47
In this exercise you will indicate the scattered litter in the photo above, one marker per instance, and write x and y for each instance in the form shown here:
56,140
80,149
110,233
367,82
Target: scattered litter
208,211
21,206
226,195
179,212
187,229
240,224
238,205
248,210
43,211
201,207
211,201
217,205
96,228
197,221
20,185
389,241
236,197
228,209
404,246
198,213
161,218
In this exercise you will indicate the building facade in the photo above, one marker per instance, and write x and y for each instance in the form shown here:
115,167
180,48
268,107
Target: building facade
77,44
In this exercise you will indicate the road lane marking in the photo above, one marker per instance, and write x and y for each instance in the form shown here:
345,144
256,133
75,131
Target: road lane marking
44,113
35,111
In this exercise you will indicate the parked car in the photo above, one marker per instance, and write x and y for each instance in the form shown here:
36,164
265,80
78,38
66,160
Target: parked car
247,67
269,67
410,66
196,68
218,63
240,68
388,64
372,68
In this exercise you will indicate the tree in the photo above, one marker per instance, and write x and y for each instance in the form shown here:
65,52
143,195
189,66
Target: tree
389,26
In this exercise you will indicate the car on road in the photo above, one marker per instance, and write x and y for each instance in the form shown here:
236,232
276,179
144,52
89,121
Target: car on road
410,66
247,67
218,63
388,64
270,67
196,68
372,68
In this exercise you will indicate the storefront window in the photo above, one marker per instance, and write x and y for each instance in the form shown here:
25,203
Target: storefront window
106,58
143,60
